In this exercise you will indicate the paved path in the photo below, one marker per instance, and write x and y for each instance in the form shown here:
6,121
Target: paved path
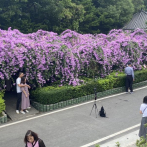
10,100
75,127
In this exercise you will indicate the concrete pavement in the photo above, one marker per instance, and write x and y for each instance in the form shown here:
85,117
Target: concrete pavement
75,127
127,140
10,100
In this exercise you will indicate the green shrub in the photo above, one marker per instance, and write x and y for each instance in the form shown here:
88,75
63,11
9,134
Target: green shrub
141,142
52,94
119,80
117,144
2,102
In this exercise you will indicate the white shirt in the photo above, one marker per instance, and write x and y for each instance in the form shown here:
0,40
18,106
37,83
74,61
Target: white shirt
143,108
18,81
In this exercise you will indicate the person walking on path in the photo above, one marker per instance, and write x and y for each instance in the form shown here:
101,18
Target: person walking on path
31,140
19,92
129,77
25,101
143,111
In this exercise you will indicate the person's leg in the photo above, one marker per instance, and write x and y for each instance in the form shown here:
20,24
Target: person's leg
127,83
18,100
131,82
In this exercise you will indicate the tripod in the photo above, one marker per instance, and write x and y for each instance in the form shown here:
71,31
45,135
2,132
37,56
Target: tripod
94,105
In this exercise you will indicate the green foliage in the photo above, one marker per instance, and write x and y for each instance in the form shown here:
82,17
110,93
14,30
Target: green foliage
118,80
114,14
90,21
117,144
50,95
70,16
138,5
97,145
145,4
84,16
55,94
141,142
2,102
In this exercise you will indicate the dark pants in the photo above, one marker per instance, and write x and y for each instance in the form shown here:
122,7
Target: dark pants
18,100
129,82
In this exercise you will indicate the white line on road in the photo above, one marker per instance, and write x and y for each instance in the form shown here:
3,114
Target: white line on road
53,112
112,135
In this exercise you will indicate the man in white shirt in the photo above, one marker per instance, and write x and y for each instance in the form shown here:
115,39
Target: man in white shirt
19,92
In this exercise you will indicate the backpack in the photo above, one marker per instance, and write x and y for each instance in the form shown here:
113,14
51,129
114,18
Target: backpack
102,112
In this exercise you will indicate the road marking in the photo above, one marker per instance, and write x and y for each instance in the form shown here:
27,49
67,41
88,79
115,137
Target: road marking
49,113
112,135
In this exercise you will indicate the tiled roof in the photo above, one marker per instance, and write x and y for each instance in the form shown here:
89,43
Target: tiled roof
139,20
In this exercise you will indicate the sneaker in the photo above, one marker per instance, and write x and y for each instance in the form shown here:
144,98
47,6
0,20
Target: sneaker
22,112
131,92
29,108
17,111
26,111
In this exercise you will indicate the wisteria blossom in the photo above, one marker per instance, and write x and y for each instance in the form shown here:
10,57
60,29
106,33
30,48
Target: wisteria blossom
47,56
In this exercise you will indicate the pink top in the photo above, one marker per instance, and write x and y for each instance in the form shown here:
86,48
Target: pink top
30,144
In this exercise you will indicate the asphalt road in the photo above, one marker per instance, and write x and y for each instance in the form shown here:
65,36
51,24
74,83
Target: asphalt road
75,127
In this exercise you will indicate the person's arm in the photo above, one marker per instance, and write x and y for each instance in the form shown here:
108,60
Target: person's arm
28,86
18,82
28,92
20,85
133,74
141,109
125,70
22,89
25,93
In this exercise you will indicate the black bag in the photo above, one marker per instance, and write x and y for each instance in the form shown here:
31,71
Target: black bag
102,113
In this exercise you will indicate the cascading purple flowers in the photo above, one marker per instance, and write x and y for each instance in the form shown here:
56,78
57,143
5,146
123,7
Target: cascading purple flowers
46,55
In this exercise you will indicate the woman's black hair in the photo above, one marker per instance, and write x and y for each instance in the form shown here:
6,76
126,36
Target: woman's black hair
30,133
23,80
145,100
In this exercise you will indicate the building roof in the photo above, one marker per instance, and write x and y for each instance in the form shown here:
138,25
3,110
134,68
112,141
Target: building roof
139,20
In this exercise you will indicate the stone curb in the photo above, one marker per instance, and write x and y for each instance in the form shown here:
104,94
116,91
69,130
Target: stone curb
3,119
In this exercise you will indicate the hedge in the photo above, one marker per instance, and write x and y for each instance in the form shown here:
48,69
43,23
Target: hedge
51,95
2,102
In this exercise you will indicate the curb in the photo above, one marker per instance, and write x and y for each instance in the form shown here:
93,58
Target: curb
3,119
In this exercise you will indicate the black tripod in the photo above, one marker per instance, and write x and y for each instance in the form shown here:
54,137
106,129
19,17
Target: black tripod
94,105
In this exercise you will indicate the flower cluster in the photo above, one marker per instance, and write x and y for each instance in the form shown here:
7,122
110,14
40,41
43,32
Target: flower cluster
47,56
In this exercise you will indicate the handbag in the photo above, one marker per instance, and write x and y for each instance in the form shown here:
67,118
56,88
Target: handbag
102,112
